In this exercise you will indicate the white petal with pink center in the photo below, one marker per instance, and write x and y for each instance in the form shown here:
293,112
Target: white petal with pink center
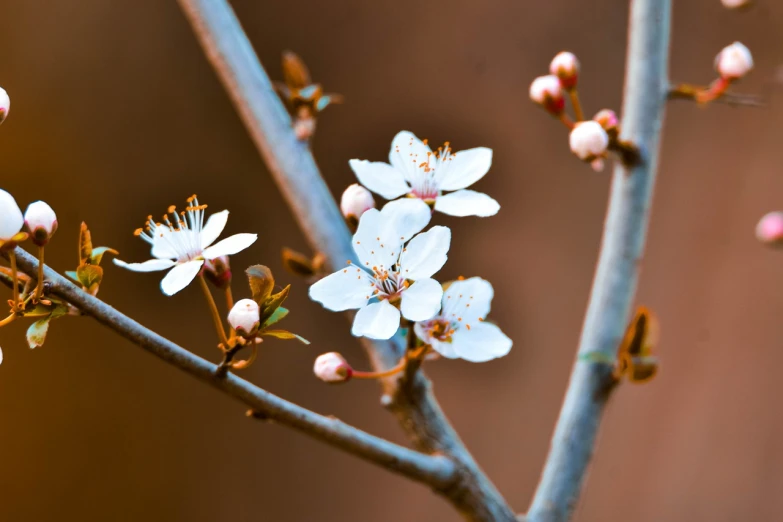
391,277
459,331
419,172
182,242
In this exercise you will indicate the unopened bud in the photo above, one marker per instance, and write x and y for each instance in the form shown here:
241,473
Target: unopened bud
11,219
332,368
218,272
566,67
548,93
736,4
770,229
608,119
588,140
734,61
41,222
5,105
356,200
244,317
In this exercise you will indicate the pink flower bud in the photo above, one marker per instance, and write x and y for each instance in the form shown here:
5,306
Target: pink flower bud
41,222
548,93
11,219
218,272
734,61
736,4
244,317
356,200
588,140
332,368
608,119
566,67
5,104
770,229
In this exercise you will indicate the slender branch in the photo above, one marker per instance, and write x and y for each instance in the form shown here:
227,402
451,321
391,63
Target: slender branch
293,168
436,471
616,276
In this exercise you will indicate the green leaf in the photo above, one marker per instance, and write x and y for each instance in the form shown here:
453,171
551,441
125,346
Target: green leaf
276,317
85,244
36,334
90,276
262,282
73,275
97,254
284,334
274,302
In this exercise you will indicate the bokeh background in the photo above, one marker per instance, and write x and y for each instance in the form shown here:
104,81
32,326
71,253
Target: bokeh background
116,114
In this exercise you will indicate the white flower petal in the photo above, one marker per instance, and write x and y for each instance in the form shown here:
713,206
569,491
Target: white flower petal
213,227
421,301
11,218
469,300
229,246
164,242
343,290
407,216
426,253
467,203
380,177
153,265
446,349
407,153
377,321
480,343
180,276
465,168
377,242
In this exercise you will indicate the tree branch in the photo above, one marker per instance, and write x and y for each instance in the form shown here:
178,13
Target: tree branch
436,471
295,172
614,286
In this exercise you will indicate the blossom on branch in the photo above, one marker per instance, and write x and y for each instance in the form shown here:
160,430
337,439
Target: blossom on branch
734,61
459,331
11,218
41,222
183,242
414,170
393,277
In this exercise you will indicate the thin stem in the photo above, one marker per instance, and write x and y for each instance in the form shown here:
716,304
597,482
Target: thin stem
293,168
578,112
229,305
15,277
39,286
616,277
8,320
380,375
436,471
214,311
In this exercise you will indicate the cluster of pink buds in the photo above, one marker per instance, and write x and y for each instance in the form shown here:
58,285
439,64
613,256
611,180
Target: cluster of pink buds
590,139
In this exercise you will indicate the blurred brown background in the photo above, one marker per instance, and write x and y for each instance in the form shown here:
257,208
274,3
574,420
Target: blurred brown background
116,114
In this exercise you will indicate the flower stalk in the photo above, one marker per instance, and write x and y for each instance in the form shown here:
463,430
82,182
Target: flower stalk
213,309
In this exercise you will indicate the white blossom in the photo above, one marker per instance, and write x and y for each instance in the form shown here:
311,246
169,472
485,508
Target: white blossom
392,277
11,219
244,317
565,66
332,367
41,222
414,170
547,91
734,61
588,140
183,242
355,201
459,331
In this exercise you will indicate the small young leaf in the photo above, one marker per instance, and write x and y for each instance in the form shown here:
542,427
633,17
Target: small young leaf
297,263
85,244
261,283
97,254
36,334
295,71
276,317
273,303
284,334
90,276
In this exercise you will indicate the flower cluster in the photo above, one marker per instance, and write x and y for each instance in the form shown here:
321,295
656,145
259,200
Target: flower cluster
392,285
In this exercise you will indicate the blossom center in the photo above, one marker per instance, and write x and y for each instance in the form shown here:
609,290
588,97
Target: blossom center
425,172
440,329
388,284
179,232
